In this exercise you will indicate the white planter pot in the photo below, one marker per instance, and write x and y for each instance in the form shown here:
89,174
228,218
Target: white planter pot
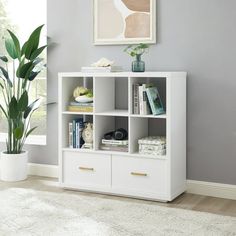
13,167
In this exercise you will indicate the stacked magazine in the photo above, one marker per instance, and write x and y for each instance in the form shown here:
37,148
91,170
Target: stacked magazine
147,100
114,145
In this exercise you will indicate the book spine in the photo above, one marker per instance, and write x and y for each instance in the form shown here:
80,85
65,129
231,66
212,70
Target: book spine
70,135
146,106
77,135
74,134
136,98
141,103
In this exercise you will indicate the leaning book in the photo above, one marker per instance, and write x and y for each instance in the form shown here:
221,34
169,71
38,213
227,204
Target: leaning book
155,101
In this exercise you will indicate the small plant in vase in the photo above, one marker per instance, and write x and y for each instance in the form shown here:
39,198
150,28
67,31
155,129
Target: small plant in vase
137,51
14,87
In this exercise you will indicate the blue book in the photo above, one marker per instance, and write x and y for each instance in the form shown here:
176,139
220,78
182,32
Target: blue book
155,101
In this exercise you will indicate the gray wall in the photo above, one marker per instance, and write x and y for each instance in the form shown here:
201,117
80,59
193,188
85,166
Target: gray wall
196,36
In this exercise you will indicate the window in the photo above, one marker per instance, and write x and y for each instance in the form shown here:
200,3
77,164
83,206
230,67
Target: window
23,17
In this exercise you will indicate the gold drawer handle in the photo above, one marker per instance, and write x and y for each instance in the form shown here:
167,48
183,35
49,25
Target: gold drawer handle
86,168
138,174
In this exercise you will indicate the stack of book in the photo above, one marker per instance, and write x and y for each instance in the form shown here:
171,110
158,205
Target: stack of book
114,145
80,107
146,100
75,133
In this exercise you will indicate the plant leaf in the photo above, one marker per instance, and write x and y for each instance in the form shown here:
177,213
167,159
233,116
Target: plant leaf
3,110
5,74
23,48
32,107
33,42
37,52
4,58
19,131
13,108
23,69
30,131
16,44
23,101
10,47
33,75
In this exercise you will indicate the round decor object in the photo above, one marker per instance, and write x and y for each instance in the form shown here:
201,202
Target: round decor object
87,135
13,167
83,99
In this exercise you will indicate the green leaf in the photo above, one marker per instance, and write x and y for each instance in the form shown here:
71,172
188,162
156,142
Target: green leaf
3,110
30,131
37,52
2,87
23,69
23,101
32,107
33,42
16,44
6,76
23,48
33,75
10,47
13,108
19,131
4,58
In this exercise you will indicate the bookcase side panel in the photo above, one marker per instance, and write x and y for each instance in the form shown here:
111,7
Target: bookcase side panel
176,133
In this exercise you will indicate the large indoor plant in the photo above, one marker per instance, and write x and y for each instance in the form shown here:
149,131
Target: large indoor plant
15,106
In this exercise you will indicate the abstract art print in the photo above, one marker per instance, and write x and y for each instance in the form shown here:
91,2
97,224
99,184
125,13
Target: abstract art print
124,21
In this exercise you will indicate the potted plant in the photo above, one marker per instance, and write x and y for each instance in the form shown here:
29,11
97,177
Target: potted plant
15,105
137,51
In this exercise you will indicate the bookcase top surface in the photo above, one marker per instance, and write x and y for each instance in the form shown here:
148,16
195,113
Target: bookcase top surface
124,74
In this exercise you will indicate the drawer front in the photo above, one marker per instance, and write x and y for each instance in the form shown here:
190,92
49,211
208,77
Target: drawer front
139,175
88,170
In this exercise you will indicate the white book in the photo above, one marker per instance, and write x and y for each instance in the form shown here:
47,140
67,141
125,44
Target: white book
70,135
141,111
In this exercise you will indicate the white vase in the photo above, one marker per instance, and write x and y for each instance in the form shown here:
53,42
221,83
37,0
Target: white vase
13,167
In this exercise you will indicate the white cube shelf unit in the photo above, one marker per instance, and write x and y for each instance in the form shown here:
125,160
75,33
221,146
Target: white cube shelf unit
160,178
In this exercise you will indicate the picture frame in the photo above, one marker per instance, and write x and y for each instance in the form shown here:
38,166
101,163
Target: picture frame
118,22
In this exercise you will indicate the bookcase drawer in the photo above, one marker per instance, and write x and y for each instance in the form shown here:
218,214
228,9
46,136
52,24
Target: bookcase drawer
86,170
141,176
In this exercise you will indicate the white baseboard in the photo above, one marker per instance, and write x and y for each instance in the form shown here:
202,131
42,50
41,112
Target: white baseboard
196,187
212,189
43,170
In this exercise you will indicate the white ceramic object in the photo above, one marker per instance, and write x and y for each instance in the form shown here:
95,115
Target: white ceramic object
13,167
103,62
83,99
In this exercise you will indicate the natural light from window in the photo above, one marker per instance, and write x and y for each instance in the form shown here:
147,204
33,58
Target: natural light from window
22,17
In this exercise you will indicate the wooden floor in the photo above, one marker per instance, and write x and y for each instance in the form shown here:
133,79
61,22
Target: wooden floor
185,201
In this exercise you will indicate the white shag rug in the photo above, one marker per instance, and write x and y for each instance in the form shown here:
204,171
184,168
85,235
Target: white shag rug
35,212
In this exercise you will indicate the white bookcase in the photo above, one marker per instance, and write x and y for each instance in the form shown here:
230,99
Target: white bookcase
160,178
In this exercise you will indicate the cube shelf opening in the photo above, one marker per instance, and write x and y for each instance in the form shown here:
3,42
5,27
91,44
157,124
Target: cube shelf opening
105,124
69,84
145,127
159,83
111,95
65,128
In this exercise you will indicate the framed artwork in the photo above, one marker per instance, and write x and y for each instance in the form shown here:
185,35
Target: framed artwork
124,21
